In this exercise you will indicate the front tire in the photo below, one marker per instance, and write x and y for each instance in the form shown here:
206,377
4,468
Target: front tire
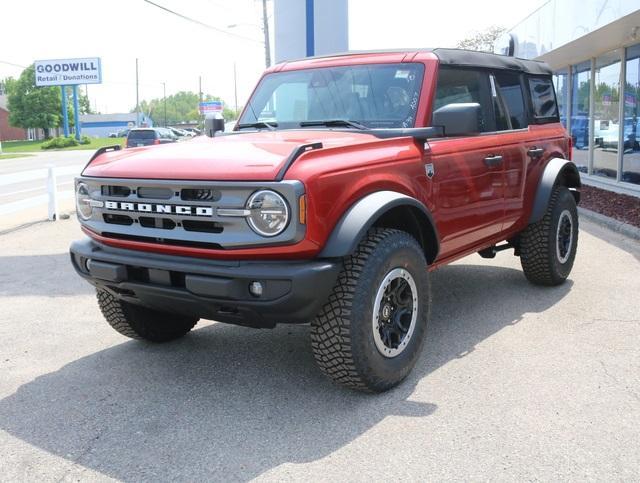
369,334
138,322
548,247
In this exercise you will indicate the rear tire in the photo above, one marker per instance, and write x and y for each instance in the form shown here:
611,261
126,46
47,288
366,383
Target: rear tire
369,334
138,322
548,247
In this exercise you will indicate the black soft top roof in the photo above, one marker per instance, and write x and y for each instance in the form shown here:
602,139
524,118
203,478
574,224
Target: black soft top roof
494,61
469,58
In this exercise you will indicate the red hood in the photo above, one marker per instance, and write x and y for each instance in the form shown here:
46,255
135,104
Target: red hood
254,156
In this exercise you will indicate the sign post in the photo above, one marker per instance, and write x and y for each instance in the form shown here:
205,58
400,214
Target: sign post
76,112
65,114
69,72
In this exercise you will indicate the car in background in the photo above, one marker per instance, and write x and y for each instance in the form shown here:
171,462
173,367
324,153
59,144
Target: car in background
180,132
193,130
605,133
122,133
149,136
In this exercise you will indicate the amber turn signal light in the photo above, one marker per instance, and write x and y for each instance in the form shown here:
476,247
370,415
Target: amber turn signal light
302,209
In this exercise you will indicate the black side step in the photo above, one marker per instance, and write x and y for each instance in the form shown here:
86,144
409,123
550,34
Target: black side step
490,252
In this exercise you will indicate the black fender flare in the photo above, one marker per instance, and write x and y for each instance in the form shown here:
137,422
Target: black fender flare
361,216
557,171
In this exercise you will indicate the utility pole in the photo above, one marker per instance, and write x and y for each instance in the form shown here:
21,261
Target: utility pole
164,97
200,98
265,30
137,97
235,88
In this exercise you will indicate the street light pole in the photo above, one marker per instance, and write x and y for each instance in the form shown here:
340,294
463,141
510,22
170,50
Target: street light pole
137,97
235,88
164,97
265,30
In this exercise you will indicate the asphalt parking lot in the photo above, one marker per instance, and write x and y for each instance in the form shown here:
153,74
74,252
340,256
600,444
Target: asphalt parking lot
515,383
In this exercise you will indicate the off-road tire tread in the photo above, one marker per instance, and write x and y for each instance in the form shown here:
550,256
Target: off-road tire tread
534,246
331,329
138,324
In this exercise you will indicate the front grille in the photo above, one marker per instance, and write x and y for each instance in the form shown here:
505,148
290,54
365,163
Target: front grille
184,213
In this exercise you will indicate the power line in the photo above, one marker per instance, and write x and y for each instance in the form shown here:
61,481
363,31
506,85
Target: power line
202,24
12,64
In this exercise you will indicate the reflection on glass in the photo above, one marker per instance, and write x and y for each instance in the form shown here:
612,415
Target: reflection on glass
560,80
606,125
580,114
631,157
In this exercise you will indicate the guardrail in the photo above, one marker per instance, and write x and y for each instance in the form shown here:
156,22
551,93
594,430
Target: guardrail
45,182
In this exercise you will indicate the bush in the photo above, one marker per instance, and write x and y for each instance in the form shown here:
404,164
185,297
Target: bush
85,140
60,142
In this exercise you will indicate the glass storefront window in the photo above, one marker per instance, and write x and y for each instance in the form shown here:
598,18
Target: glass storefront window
631,156
560,80
606,125
581,84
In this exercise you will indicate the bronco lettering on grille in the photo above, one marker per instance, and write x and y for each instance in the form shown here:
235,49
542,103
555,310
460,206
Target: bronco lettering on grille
159,208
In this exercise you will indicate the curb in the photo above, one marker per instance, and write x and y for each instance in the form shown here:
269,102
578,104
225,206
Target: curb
610,223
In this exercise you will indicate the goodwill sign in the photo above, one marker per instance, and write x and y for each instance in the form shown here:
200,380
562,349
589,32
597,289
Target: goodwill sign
61,72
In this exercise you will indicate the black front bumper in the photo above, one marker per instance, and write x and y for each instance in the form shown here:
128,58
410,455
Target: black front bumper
293,292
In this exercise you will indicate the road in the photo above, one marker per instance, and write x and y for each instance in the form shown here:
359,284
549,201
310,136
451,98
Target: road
515,383
23,184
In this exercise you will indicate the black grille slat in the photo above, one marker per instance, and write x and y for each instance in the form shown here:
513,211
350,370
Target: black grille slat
162,223
116,191
200,194
157,193
202,226
117,219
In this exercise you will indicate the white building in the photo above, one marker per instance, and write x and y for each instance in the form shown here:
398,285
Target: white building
594,48
101,125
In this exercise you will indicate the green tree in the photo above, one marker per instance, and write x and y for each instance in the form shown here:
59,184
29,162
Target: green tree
31,106
180,107
482,41
230,114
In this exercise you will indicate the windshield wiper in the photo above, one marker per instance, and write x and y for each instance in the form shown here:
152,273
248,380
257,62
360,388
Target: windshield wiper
334,122
269,125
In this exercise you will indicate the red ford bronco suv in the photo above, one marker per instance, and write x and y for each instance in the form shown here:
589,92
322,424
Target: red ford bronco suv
345,182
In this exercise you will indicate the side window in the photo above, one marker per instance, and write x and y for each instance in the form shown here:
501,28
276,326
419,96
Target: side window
465,85
510,90
543,99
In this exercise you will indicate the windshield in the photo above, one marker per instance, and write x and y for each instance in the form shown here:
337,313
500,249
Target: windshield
373,95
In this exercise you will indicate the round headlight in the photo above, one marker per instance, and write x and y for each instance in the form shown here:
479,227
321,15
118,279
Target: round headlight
83,199
269,213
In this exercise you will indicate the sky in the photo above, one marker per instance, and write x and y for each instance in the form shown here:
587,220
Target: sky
177,52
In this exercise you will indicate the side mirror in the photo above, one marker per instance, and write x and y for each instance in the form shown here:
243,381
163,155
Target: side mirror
213,125
458,119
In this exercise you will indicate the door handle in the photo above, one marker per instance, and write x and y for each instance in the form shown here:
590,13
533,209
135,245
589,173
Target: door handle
493,160
535,152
